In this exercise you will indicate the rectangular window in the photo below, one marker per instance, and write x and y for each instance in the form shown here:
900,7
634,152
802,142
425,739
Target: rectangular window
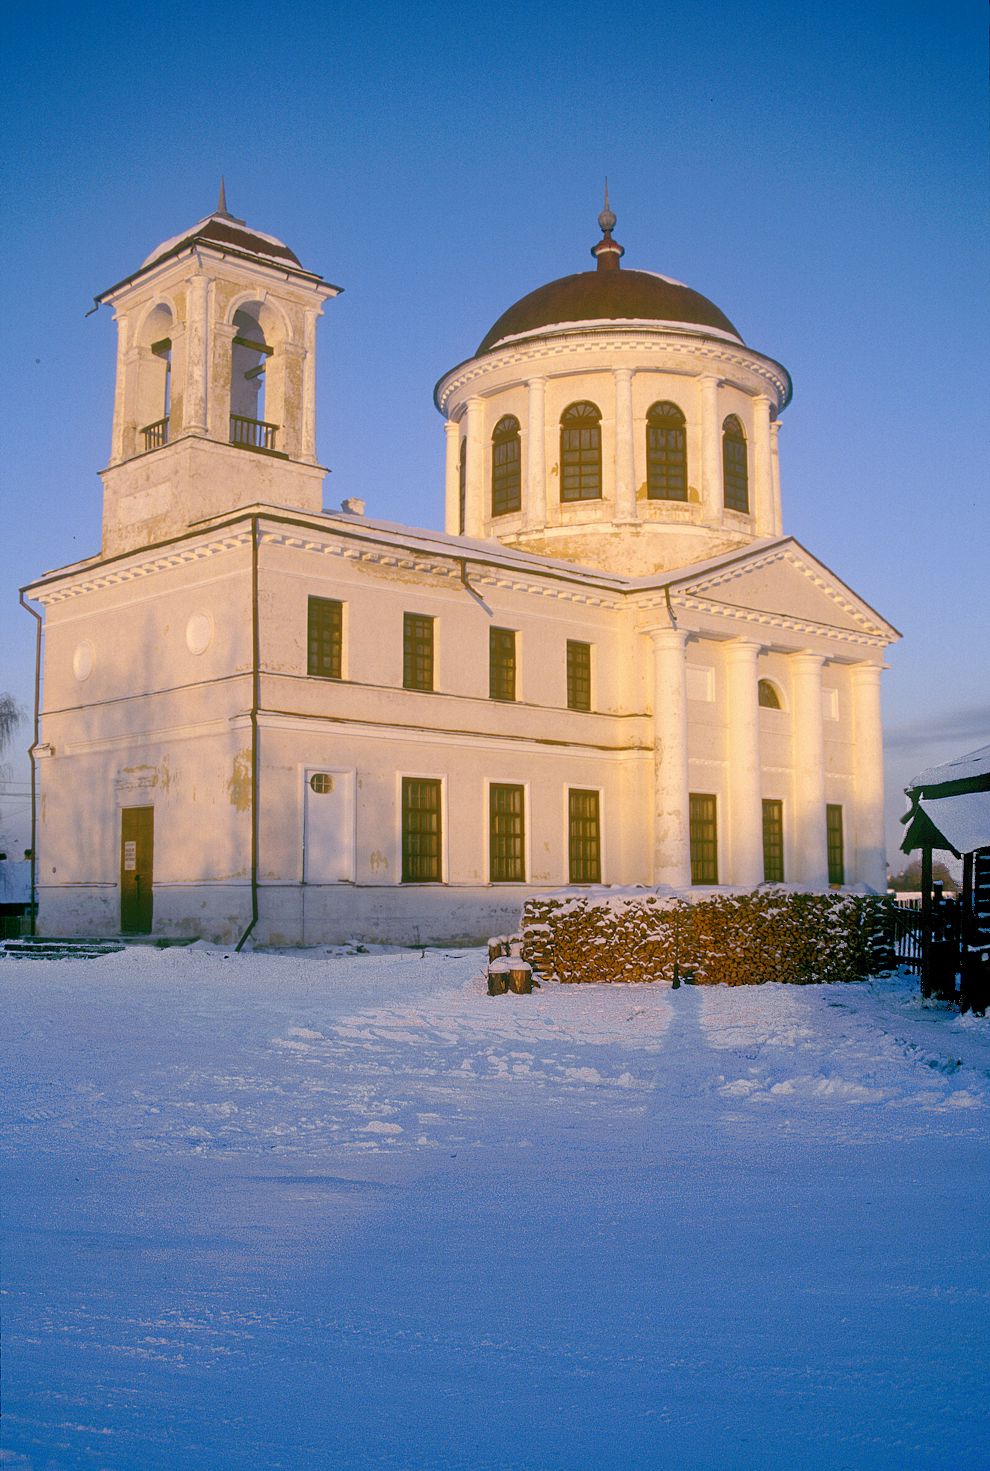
773,842
421,850
704,838
325,637
502,663
578,676
584,841
833,831
506,835
417,652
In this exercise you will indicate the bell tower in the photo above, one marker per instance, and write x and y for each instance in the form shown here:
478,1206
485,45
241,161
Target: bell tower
215,398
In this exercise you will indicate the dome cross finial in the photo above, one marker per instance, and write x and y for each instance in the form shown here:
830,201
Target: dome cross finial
221,208
608,251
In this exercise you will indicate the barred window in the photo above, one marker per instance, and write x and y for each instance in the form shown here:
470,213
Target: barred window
325,637
506,467
735,470
580,453
417,652
767,695
833,834
421,835
666,453
578,675
506,834
502,663
773,842
584,837
704,838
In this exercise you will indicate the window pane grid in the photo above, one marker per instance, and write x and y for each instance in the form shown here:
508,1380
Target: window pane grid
833,831
502,664
578,675
584,837
580,453
325,625
666,454
704,838
735,473
506,468
773,842
417,652
421,856
506,829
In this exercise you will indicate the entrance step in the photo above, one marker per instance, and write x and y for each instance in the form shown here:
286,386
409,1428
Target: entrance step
38,947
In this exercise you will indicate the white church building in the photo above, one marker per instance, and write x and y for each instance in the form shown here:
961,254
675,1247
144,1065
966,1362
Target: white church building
612,667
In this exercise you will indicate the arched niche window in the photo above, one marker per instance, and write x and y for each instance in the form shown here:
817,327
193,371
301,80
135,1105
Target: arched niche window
249,362
506,467
735,471
767,696
462,489
154,389
581,453
666,453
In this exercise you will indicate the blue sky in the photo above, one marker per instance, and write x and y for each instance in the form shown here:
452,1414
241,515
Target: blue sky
819,172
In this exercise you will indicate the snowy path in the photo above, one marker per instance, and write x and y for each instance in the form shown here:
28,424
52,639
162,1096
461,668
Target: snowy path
283,1212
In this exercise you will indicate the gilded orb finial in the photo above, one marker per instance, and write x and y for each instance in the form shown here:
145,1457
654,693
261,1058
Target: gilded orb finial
606,219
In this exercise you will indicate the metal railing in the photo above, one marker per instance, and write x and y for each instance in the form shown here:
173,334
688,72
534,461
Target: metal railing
252,433
155,435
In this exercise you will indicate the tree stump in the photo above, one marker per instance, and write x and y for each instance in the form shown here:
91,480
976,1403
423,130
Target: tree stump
520,974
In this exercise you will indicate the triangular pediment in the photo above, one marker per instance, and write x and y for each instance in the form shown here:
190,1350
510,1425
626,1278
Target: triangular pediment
785,583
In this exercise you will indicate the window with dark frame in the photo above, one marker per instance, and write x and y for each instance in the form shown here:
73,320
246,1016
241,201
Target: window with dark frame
773,841
417,651
767,695
325,638
704,838
580,453
502,663
833,837
666,453
578,675
506,467
584,843
735,468
506,834
422,859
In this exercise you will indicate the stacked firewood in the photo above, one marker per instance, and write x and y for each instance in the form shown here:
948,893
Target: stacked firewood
727,939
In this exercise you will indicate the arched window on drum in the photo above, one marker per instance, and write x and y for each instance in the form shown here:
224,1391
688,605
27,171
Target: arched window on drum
581,453
506,467
666,453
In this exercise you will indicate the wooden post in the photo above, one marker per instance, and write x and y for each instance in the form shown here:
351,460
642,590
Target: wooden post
926,921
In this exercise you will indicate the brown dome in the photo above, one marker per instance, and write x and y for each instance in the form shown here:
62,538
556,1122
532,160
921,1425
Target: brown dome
610,295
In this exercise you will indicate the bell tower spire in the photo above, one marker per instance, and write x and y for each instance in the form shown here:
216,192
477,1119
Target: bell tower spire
608,251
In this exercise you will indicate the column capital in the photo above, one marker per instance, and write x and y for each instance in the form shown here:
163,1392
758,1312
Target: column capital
451,427
806,659
743,649
475,401
625,375
775,427
709,379
867,672
536,379
665,637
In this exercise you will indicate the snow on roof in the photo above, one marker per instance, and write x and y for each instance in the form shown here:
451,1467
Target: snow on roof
963,768
964,820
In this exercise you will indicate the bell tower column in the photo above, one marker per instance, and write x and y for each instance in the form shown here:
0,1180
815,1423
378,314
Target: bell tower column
195,412
671,830
762,467
535,506
451,478
809,769
625,465
711,450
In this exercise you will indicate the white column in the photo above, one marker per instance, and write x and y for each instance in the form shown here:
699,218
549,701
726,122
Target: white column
870,847
625,455
778,515
474,511
535,503
194,410
711,450
121,396
745,796
762,467
307,429
452,478
811,855
671,830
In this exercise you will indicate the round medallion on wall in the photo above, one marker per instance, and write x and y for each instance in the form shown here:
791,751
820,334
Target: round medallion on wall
199,633
82,660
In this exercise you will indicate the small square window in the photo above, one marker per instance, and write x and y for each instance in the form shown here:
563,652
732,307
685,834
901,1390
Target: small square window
325,638
578,675
502,663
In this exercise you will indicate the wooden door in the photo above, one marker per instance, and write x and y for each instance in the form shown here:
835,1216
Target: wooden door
137,849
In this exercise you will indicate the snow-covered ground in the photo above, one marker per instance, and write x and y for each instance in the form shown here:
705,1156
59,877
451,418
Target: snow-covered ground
299,1211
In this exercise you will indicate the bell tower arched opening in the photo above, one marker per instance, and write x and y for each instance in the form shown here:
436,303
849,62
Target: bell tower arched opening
249,361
